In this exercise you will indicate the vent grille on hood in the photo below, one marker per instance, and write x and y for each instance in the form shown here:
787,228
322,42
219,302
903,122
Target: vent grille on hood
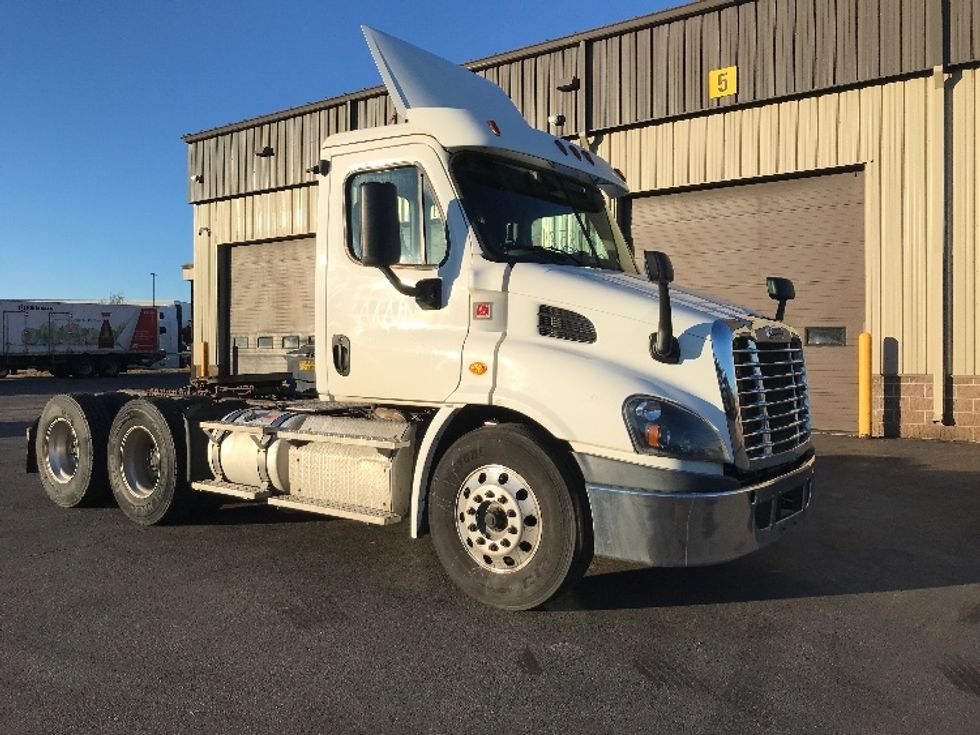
565,324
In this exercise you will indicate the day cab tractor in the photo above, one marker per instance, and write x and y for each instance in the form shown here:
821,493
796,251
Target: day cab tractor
489,367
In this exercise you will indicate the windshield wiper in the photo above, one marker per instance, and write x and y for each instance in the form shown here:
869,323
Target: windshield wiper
581,224
552,256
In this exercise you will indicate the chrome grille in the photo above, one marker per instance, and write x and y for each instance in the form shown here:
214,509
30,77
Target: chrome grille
774,411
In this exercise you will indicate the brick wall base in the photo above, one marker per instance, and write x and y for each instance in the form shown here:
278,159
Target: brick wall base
902,407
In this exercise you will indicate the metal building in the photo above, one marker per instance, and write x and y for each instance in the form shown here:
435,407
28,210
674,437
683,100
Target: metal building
832,141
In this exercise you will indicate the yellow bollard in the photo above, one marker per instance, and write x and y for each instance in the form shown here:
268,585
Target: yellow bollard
864,385
201,360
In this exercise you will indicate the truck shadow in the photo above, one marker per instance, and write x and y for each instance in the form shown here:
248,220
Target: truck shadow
237,513
878,524
13,428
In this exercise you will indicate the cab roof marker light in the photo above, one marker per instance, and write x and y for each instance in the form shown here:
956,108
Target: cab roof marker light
588,157
619,173
561,146
493,128
575,152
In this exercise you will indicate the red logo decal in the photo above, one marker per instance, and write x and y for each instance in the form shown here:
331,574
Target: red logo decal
483,310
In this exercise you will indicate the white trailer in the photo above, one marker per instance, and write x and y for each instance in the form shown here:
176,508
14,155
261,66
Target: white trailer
79,339
487,366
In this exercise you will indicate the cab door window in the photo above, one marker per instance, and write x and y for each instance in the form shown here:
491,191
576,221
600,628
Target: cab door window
422,225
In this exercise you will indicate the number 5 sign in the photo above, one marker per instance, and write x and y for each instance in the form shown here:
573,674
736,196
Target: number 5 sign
723,82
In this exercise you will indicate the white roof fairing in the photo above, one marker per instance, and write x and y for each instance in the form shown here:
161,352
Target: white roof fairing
441,93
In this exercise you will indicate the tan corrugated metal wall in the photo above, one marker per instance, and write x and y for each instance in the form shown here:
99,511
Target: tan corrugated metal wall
725,240
883,128
280,214
966,222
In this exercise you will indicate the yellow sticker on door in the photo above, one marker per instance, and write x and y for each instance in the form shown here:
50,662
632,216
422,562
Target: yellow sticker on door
722,82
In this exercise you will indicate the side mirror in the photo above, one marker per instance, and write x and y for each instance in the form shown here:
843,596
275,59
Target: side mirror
381,245
781,290
380,229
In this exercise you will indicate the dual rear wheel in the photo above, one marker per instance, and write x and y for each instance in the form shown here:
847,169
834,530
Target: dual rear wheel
87,445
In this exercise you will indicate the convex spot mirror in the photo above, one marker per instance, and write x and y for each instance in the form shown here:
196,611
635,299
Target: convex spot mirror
658,267
780,290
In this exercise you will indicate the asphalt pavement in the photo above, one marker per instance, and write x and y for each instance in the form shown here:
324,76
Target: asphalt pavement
255,620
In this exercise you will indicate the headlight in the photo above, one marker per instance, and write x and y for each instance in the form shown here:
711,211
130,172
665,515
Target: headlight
659,427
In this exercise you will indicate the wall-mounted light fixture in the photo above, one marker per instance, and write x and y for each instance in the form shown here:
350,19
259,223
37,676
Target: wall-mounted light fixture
266,152
204,231
197,178
320,168
569,84
556,120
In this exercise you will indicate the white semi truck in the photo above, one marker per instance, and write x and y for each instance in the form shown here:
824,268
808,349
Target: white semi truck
488,367
79,339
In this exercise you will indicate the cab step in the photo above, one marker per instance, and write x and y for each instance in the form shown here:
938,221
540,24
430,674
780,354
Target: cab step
246,492
333,508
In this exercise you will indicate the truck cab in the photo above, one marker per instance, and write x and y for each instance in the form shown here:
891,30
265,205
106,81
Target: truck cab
493,367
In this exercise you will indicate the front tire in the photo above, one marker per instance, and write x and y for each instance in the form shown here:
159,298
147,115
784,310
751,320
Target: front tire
508,521
148,461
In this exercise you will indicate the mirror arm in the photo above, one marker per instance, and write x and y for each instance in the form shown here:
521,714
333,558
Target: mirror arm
400,287
427,292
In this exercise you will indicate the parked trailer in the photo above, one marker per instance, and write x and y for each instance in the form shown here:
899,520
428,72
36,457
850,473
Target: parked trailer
487,365
78,339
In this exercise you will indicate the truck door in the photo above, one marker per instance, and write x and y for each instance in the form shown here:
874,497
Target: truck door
14,324
62,334
381,344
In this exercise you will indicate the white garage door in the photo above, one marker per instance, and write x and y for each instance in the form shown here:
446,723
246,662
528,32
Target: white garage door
271,306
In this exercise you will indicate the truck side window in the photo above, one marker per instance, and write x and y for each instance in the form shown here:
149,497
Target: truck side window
423,227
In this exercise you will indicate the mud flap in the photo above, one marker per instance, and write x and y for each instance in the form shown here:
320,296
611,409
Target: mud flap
31,459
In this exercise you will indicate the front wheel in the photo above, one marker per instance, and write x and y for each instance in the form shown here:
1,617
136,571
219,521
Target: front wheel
508,522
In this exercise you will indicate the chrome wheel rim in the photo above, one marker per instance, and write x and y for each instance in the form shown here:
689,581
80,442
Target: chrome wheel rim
498,519
61,455
140,462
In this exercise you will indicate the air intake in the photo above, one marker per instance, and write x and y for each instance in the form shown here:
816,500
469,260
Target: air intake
565,324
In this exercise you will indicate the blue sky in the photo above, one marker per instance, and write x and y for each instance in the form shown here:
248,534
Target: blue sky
95,94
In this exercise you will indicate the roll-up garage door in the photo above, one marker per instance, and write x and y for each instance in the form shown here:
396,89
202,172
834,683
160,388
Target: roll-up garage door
270,303
724,241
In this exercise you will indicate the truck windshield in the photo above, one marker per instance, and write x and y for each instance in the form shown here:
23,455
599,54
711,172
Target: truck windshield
528,214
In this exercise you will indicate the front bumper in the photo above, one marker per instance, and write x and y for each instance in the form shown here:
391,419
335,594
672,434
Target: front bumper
690,528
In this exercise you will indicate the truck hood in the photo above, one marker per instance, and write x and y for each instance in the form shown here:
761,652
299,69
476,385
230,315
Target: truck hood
623,295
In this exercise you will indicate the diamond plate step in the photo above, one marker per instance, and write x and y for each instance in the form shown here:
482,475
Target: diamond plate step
339,510
247,492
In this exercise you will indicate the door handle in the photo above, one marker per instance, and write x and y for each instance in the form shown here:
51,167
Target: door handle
341,354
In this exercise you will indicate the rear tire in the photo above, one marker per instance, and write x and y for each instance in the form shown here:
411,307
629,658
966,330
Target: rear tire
148,461
508,522
82,367
72,436
109,367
